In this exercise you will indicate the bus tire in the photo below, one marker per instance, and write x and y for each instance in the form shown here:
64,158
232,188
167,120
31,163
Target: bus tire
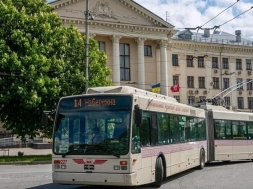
159,172
201,159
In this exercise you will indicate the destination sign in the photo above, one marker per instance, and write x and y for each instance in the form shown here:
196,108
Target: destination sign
94,102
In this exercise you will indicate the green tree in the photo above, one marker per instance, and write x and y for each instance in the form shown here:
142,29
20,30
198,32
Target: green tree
40,61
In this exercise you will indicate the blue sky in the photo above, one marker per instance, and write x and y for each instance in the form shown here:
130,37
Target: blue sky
193,13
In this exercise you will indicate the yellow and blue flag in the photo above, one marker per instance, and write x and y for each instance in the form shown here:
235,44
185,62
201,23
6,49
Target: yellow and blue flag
156,88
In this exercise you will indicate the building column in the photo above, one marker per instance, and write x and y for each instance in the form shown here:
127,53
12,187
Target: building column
164,67
115,60
141,65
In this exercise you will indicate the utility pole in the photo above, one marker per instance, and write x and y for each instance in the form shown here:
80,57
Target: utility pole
87,45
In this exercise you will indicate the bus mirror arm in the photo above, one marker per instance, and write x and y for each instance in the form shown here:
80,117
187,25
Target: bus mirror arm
138,116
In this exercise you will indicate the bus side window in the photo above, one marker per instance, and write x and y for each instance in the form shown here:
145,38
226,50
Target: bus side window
154,131
145,132
250,130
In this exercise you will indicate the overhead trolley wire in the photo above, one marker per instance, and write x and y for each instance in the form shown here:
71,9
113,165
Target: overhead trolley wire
220,13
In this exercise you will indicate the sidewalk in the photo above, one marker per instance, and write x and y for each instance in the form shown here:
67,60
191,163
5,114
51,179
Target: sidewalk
29,151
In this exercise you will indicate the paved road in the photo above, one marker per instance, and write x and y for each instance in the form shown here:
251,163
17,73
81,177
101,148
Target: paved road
215,176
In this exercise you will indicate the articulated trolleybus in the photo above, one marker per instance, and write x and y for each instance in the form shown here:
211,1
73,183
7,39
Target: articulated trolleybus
124,136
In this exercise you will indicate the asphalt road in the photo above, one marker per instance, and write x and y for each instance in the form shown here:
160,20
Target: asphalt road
214,176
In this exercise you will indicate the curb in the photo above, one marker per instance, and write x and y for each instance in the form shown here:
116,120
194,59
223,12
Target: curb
26,163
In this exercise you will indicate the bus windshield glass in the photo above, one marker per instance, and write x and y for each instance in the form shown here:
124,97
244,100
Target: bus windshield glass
97,128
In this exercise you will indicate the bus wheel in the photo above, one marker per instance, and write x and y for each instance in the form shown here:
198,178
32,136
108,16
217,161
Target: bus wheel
201,159
159,172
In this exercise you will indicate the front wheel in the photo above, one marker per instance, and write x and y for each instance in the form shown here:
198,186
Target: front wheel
159,172
201,159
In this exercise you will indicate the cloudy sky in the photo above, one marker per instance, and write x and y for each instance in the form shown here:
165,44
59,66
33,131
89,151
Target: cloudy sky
194,13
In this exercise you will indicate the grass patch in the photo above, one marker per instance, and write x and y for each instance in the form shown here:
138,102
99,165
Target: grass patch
25,158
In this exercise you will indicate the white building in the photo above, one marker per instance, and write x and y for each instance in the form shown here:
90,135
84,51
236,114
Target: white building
143,50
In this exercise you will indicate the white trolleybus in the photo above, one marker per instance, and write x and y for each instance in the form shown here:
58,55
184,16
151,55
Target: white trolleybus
230,135
124,136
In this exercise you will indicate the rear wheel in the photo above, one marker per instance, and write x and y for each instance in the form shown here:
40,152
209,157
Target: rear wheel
159,172
202,159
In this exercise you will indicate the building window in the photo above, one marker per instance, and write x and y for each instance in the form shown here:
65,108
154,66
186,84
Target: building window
174,60
238,64
101,45
191,99
201,62
202,82
216,84
249,84
225,83
250,103
227,101
225,63
248,64
239,83
177,98
147,50
189,60
175,79
190,81
124,62
240,103
215,62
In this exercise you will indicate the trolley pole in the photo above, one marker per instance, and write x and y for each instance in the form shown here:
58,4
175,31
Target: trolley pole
87,45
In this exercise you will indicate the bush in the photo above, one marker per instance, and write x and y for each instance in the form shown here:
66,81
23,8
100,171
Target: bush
20,154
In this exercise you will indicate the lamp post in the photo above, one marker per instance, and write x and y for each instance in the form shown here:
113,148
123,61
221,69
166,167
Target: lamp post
87,45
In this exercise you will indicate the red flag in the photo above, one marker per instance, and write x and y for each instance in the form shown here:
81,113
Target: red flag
174,88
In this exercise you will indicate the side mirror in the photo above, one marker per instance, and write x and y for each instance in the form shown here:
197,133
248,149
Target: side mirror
137,116
44,120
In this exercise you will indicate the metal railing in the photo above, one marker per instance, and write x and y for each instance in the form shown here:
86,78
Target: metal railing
7,142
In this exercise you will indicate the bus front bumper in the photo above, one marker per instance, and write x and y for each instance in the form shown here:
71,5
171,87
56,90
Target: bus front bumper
95,179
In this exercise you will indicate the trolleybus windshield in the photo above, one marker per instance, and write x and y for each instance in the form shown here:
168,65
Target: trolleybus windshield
93,126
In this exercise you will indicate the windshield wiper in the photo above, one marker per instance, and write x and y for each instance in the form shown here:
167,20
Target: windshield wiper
68,152
73,148
116,155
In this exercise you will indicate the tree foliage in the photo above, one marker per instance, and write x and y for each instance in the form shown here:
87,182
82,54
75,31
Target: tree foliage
40,61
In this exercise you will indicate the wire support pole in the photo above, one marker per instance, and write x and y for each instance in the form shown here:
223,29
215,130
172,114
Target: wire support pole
87,46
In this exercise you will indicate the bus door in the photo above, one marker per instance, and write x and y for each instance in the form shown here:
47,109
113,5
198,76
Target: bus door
141,148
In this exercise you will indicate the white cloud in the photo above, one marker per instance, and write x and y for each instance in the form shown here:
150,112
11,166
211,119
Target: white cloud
193,13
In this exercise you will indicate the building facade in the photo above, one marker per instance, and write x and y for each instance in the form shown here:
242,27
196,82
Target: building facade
143,50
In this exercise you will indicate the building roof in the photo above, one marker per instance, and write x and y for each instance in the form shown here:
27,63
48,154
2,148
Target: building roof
219,37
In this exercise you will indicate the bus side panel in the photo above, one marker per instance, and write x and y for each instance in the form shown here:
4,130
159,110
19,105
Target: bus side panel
250,148
168,162
145,174
175,160
189,153
223,150
240,149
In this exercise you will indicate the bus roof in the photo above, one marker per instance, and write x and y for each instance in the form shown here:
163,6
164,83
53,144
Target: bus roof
129,90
